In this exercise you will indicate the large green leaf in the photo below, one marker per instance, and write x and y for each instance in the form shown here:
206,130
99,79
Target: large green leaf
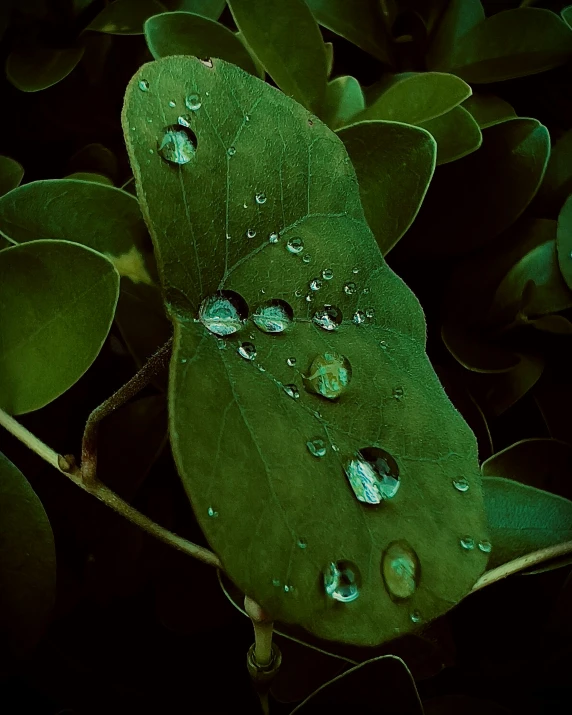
32,68
523,519
564,241
11,174
89,176
95,158
27,565
488,109
182,33
557,182
286,39
459,17
456,133
359,21
451,220
344,99
418,98
239,208
567,15
394,164
57,302
509,44
125,17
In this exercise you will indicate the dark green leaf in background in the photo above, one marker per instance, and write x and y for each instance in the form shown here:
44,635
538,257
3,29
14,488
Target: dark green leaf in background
557,182
11,174
94,158
459,17
567,15
88,176
182,33
57,302
286,39
27,565
207,8
33,68
394,164
344,99
564,241
488,109
456,133
277,514
126,17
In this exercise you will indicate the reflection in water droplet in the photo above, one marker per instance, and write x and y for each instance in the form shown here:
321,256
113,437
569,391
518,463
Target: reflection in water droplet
467,543
415,617
316,284
401,570
144,85
329,317
295,245
342,581
306,258
292,391
273,238
291,361
212,513
369,313
178,144
172,104
317,447
261,198
302,544
184,120
223,313
327,274
247,351
274,316
329,375
231,151
251,233
193,102
485,546
350,288
359,317
398,393
461,484
373,475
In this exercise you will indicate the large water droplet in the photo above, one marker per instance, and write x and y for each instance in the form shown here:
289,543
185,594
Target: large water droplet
461,484
223,313
292,391
350,288
247,351
400,569
144,85
260,198
274,316
342,581
316,284
193,102
329,375
317,447
295,245
467,543
329,317
485,546
327,274
178,144
373,475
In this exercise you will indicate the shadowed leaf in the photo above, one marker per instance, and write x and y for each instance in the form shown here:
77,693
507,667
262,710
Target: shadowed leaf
89,176
125,17
33,68
11,174
344,99
564,241
456,133
557,182
459,17
488,109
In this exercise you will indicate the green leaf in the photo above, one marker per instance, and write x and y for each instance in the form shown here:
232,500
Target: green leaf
207,8
488,109
459,17
523,519
510,44
394,164
557,182
286,39
329,56
57,303
94,158
564,241
33,68
567,15
90,176
360,22
27,565
418,98
182,33
260,71
239,438
344,99
513,154
496,392
125,17
11,174
456,133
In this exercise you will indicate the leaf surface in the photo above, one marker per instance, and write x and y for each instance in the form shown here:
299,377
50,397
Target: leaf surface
488,109
207,8
344,100
456,133
564,241
125,17
11,174
33,68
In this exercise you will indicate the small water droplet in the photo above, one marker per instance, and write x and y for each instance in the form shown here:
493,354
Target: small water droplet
327,274
178,144
350,288
309,298
315,284
329,375
151,151
212,513
373,475
485,546
231,151
298,293
295,245
207,62
369,313
193,102
317,447
247,351
400,570
183,360
184,120
172,104
342,581
287,588
355,270
398,393
334,446
291,361
144,85
275,582
292,391
329,317
260,198
273,316
415,617
251,233
467,543
273,238
383,345
302,544
246,117
461,484
359,317
365,291
223,313
245,205
306,258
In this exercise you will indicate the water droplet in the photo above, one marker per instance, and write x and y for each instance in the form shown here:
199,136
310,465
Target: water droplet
172,104
275,582
485,546
274,316
207,62
461,484
302,544
251,233
373,475
342,581
178,144
329,317
245,205
398,393
287,588
183,360
355,270
329,375
223,313
246,117
291,361
184,120
292,391
365,291
467,543
415,617
144,85
350,288
369,313
327,274
298,293
247,351
401,570
334,446
193,102
295,245
317,447
359,317
316,284
261,198
231,151
306,258
212,513
383,345
273,238
309,298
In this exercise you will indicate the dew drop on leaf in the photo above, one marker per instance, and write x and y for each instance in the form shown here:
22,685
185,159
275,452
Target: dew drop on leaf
359,317
207,62
355,270
302,544
369,313
485,547
327,274
260,198
398,393
350,288
273,316
291,361
172,104
184,120
317,447
316,284
400,570
467,543
329,375
223,313
273,238
212,513
306,258
292,391
250,233
415,617
329,317
461,484
193,102
383,345
144,85
342,581
309,298
177,144
247,351
295,245
373,475
231,151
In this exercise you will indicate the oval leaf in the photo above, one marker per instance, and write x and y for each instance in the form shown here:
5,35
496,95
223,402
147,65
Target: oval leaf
11,174
125,17
344,99
567,15
58,301
456,133
27,565
33,68
207,8
459,17
564,241
488,109
90,176
238,432
557,182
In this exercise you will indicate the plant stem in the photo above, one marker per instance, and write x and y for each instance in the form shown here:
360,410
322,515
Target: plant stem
155,364
263,628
